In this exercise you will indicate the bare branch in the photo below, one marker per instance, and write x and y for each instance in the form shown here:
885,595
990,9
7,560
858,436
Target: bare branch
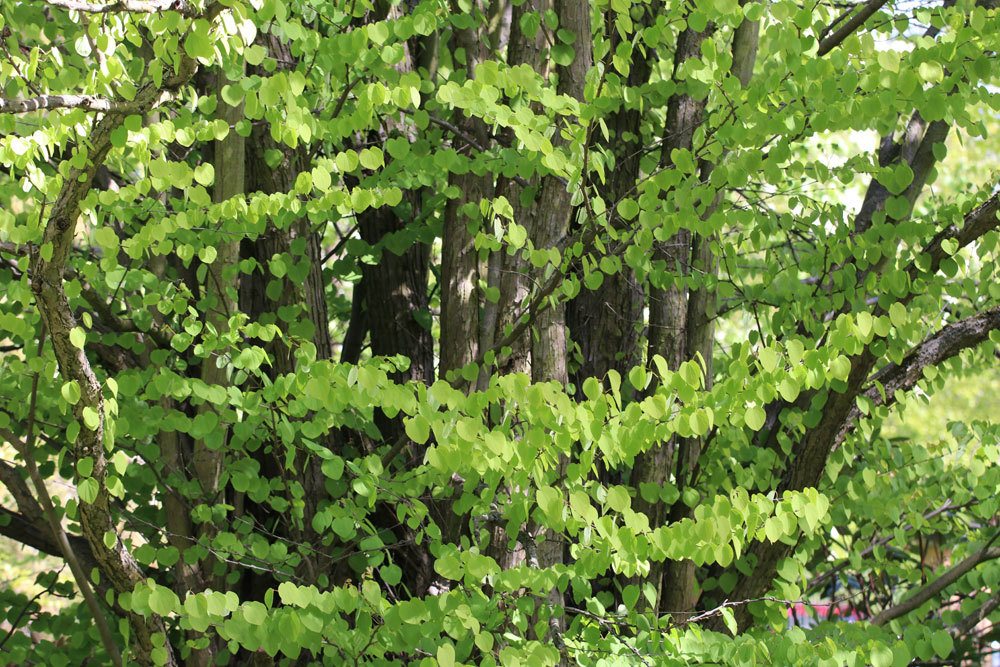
943,345
132,6
88,102
932,589
830,42
36,534
968,623
85,102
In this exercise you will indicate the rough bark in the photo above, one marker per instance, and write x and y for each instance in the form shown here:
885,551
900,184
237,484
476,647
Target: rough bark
299,240
116,563
671,333
680,593
395,293
460,270
513,273
840,414
221,299
550,225
605,323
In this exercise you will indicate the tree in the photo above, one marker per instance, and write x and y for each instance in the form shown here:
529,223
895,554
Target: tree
535,333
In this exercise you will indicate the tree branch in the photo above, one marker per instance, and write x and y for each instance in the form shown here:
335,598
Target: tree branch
932,589
977,222
117,564
968,623
88,102
943,345
85,102
36,534
832,41
132,6
841,414
11,478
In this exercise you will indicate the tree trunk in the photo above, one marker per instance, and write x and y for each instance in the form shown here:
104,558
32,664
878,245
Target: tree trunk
460,270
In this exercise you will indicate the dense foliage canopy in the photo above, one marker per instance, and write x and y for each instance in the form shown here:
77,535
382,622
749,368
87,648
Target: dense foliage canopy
497,332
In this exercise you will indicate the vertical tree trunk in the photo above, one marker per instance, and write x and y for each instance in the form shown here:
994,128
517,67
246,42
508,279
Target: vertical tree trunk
395,295
692,335
605,323
218,293
460,268
513,271
302,242
395,287
668,332
550,225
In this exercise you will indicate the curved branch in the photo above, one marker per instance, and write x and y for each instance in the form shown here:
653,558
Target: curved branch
975,224
117,565
943,345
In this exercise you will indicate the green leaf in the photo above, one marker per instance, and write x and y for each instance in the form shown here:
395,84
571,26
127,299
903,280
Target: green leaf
840,368
789,389
516,235
418,429
755,417
106,238
943,643
255,613
628,209
897,207
897,315
449,567
563,54
768,359
90,418
87,490
71,392
638,377
730,620
881,655
618,498
162,600
204,173
446,655
334,468
85,466
371,158
77,337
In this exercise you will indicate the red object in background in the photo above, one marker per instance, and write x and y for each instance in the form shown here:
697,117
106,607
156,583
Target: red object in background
807,615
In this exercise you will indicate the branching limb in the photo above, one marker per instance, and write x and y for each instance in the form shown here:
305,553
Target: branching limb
969,623
11,478
26,449
35,534
117,565
935,587
833,40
